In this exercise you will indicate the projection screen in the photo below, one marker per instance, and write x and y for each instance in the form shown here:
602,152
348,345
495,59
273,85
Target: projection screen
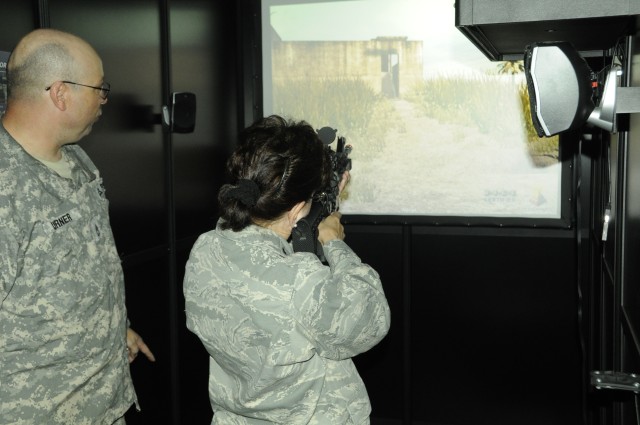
436,128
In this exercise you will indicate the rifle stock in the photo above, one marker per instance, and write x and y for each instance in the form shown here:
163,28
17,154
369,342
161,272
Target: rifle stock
304,236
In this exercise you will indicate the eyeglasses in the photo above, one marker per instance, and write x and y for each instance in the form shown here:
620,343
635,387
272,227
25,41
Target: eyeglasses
104,89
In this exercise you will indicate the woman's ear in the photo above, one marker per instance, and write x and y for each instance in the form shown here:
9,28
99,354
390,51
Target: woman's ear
294,213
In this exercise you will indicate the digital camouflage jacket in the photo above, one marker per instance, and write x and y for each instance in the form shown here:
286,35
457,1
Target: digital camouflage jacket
63,320
281,327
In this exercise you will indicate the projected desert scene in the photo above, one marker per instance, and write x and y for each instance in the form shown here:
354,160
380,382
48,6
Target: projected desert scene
430,136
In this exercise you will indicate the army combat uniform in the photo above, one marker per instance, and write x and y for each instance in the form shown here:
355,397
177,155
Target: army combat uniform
281,327
63,323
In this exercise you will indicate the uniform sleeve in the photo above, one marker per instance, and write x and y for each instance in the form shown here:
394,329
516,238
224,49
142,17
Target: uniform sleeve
10,262
342,307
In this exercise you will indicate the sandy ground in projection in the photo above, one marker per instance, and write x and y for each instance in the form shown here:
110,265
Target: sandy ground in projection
432,168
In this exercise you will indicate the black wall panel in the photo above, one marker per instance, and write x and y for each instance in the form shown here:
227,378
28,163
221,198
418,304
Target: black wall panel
147,300
127,149
18,19
203,61
384,367
494,320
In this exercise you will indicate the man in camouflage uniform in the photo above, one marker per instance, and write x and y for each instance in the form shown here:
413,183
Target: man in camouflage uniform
65,346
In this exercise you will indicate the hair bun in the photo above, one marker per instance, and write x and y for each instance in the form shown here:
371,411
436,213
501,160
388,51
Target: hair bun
245,191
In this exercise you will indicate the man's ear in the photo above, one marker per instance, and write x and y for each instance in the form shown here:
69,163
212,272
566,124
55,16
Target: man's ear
57,93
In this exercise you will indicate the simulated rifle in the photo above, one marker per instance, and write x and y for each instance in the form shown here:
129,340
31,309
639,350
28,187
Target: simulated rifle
304,236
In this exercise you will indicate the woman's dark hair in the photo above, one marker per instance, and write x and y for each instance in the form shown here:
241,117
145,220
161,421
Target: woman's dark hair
277,164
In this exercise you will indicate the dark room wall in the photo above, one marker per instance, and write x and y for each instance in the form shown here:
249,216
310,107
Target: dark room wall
485,320
484,325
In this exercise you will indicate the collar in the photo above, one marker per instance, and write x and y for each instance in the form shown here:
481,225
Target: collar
257,235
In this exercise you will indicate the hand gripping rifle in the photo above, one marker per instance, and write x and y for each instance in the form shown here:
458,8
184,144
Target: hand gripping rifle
304,236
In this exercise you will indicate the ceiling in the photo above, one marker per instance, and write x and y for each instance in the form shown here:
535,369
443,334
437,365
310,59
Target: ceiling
505,37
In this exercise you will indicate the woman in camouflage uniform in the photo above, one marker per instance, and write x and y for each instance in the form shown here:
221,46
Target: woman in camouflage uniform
280,326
